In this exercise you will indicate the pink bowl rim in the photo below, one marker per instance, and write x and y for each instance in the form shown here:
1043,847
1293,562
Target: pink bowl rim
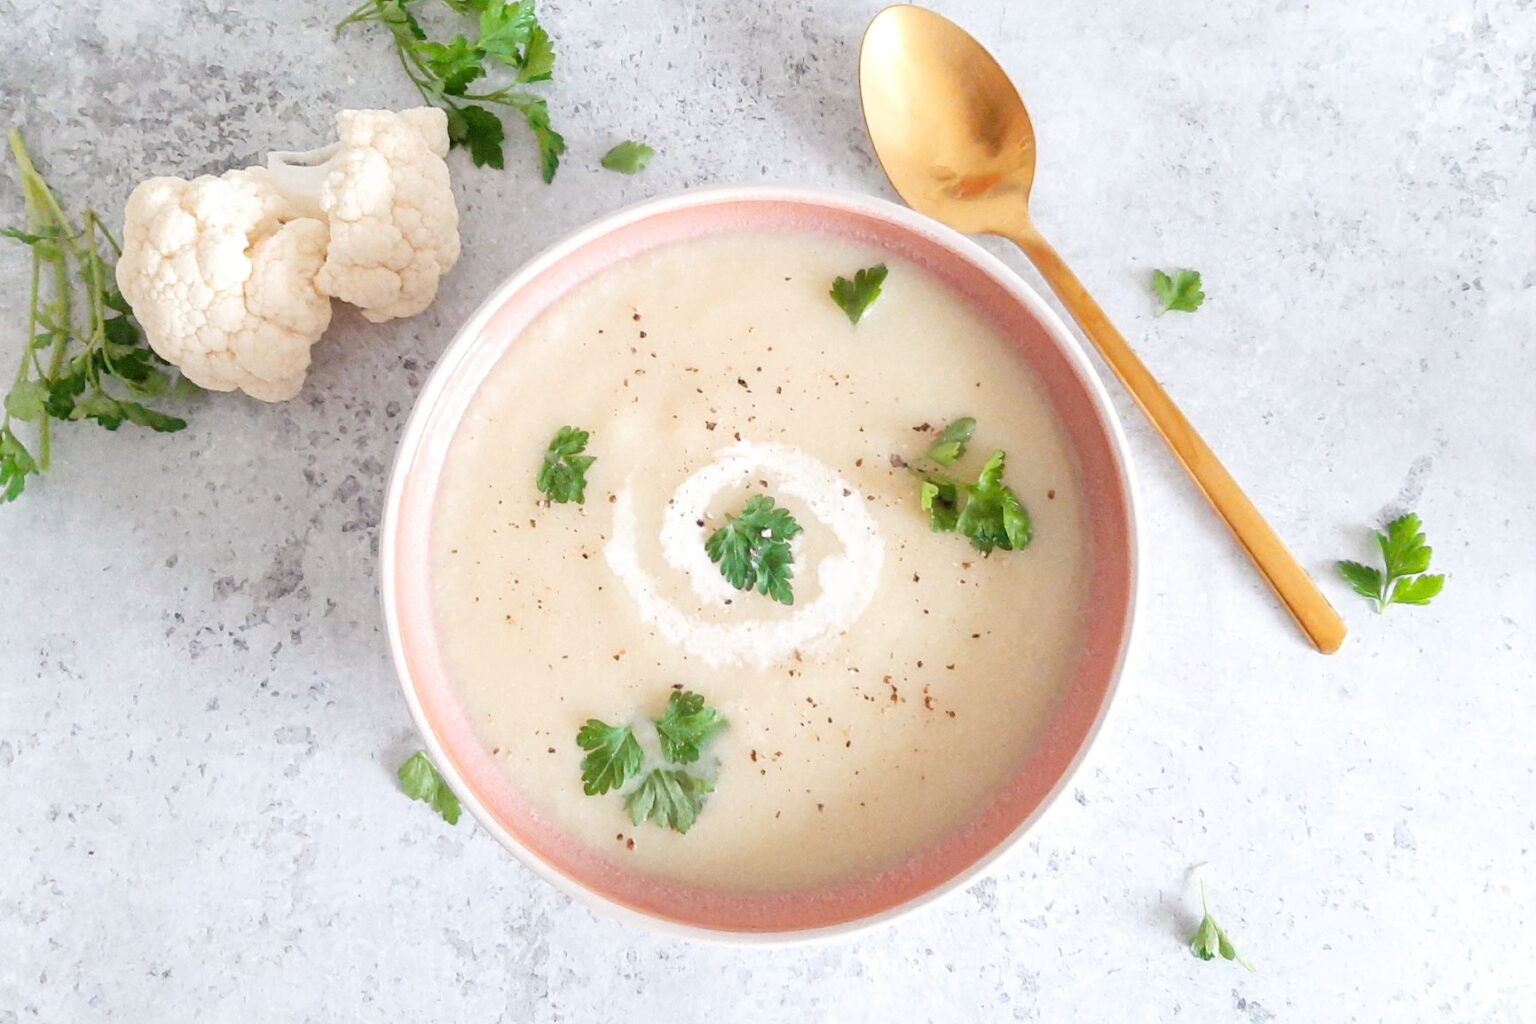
464,344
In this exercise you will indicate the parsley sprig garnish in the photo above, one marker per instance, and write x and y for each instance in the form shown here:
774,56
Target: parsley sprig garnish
669,794
988,511
92,367
420,780
613,756
563,473
1210,941
670,797
508,34
752,549
950,446
1180,292
1406,579
856,296
685,726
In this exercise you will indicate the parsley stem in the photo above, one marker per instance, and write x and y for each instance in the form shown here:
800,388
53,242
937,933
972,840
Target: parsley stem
98,326
368,10
43,212
405,58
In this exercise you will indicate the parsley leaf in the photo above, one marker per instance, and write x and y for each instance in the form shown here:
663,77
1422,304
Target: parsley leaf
613,758
686,725
752,549
563,474
456,63
993,516
505,28
84,356
941,500
951,443
1407,579
672,798
481,131
1210,940
1181,291
856,296
507,33
538,57
551,143
419,780
628,157
16,464
988,511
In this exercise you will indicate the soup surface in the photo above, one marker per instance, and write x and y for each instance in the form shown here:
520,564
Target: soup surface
911,674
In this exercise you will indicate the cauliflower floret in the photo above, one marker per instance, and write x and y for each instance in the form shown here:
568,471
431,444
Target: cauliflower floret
384,191
222,276
232,277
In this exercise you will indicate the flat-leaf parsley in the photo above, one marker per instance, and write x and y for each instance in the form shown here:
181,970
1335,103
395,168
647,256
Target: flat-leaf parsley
420,780
510,35
672,798
669,795
1406,579
563,474
993,516
950,446
628,157
685,726
988,511
1181,291
84,356
613,756
752,549
1210,941
856,296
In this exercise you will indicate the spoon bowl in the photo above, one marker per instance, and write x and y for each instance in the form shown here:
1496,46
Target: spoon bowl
950,128
954,138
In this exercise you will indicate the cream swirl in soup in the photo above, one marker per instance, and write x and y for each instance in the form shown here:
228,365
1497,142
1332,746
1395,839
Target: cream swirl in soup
911,674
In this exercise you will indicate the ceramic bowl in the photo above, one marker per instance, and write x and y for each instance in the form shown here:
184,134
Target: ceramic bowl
1079,399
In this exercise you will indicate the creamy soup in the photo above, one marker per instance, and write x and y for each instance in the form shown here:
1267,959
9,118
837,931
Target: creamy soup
911,674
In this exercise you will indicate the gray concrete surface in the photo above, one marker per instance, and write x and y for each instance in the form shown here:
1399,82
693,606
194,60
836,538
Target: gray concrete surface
198,721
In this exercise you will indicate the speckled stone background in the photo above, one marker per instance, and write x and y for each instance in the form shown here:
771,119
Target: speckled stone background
198,721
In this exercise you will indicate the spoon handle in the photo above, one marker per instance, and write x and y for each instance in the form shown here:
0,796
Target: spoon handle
1290,581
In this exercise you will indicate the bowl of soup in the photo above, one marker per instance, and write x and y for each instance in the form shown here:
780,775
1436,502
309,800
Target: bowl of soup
749,596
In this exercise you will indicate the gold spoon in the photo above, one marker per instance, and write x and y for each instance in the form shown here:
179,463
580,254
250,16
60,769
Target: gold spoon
954,138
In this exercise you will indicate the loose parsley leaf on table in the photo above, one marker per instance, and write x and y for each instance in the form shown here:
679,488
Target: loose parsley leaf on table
1181,291
563,473
672,798
1406,579
685,726
509,34
419,780
613,756
1210,940
856,296
84,356
753,551
628,157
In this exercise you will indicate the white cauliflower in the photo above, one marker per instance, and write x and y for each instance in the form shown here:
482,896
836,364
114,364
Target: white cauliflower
232,277
384,190
222,280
